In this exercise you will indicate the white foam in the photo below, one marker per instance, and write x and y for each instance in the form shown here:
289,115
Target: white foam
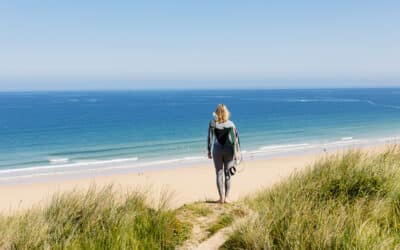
141,164
194,158
256,152
323,100
94,163
285,146
58,160
347,138
279,148
389,139
382,105
70,165
343,141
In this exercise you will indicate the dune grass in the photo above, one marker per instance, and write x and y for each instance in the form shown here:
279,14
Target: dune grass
223,221
349,201
96,219
198,209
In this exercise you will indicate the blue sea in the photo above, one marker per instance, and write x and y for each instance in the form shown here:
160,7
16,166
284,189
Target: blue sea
63,133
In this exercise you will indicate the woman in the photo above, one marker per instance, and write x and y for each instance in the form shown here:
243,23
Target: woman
221,139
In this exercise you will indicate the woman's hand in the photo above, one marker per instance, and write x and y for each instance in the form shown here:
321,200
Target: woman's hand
209,155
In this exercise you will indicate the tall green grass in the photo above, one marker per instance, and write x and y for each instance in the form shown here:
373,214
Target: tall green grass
96,219
349,201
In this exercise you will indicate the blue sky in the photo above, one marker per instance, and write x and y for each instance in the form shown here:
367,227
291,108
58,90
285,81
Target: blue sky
196,44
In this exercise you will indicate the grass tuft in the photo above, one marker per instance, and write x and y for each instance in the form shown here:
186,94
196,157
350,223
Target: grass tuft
223,221
197,209
96,219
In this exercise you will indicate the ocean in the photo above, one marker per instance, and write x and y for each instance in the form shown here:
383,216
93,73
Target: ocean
47,134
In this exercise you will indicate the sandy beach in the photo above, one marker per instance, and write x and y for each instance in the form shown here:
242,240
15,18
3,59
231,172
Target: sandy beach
186,184
183,184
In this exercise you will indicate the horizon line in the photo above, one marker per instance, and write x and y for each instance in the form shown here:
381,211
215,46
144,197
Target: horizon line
196,89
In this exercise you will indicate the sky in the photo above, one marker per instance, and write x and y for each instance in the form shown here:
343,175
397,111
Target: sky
55,45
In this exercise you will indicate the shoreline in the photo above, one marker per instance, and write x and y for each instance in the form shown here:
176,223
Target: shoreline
92,169
185,184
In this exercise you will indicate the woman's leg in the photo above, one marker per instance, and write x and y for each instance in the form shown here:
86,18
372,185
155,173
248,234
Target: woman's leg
219,169
228,163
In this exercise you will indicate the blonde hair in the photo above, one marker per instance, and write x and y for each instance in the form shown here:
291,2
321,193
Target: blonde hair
222,113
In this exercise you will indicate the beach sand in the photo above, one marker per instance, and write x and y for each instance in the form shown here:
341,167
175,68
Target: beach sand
184,184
